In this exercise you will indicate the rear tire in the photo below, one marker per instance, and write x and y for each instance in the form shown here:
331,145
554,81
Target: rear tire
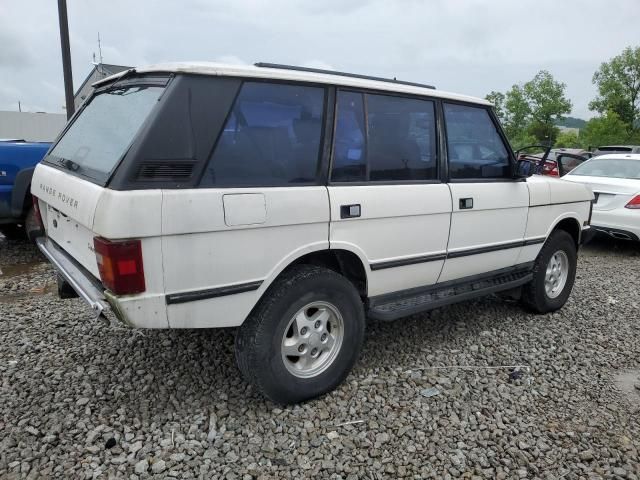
303,337
554,274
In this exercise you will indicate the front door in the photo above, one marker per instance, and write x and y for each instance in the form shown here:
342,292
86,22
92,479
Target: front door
387,204
489,208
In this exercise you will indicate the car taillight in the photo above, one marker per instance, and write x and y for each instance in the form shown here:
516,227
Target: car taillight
120,265
550,168
634,203
36,210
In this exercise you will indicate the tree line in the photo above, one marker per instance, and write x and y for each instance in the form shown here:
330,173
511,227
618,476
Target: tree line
531,111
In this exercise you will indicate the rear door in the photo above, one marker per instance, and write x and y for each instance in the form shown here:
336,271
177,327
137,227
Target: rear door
489,207
387,204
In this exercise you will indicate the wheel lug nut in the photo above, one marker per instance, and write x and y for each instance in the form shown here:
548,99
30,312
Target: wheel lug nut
323,337
301,348
317,324
314,351
303,330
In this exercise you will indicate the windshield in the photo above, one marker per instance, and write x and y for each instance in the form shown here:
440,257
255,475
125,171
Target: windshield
102,133
613,168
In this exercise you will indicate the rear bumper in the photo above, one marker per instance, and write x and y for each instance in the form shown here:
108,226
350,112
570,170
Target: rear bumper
621,223
82,282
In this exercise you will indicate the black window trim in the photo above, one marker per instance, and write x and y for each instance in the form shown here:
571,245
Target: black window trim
320,161
501,134
363,92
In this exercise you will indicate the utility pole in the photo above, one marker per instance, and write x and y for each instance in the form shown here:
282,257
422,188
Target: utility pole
66,57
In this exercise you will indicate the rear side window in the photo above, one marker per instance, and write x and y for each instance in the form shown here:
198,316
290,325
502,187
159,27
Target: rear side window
349,154
475,148
272,137
402,138
396,141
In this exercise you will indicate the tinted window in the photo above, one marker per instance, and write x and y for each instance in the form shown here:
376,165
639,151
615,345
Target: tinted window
474,146
397,141
349,155
608,167
402,138
272,137
105,128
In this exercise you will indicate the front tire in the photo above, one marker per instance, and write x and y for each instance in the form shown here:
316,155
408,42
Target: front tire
303,337
554,274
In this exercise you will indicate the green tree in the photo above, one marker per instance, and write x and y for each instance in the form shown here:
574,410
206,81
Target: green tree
618,82
608,129
547,102
529,112
517,112
497,98
568,139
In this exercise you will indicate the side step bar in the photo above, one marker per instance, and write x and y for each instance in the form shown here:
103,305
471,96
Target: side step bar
402,304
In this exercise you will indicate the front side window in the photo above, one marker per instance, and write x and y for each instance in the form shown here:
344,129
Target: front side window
395,141
101,134
475,148
272,137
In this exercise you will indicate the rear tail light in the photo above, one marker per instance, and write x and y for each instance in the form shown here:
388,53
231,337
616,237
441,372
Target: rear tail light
120,265
550,168
36,210
634,203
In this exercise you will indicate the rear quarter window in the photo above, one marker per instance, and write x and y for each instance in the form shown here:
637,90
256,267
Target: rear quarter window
271,137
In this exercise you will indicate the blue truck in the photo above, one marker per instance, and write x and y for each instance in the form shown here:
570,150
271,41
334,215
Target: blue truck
17,162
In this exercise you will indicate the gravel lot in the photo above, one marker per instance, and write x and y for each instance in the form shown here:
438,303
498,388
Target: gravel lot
82,399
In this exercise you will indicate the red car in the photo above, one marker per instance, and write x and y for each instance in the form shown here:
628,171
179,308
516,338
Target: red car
555,162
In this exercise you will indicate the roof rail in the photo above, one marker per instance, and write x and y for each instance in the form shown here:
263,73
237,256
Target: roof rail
342,74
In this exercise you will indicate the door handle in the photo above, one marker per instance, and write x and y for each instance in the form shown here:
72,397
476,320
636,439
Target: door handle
350,211
466,203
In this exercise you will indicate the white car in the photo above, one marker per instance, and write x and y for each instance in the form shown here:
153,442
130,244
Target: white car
615,182
292,203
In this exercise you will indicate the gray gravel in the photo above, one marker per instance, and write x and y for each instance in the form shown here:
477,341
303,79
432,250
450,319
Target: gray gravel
83,399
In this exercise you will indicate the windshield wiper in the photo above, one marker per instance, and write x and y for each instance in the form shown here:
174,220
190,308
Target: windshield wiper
69,164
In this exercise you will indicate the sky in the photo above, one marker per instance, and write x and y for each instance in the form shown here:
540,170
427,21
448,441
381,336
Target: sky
465,46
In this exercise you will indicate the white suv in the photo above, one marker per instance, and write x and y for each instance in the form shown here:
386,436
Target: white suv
292,203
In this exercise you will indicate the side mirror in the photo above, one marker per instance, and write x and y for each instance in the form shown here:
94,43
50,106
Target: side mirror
524,168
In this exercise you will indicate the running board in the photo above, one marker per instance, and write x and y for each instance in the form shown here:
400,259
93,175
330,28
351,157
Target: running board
402,304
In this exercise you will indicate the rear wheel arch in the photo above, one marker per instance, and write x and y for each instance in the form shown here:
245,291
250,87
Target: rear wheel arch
344,262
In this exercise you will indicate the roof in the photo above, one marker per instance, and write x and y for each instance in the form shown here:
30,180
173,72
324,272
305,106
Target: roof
618,156
106,70
217,69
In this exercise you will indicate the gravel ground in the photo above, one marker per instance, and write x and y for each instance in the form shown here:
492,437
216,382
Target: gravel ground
83,399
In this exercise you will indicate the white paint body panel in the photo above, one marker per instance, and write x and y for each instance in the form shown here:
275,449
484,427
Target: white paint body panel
499,215
201,251
397,222
203,239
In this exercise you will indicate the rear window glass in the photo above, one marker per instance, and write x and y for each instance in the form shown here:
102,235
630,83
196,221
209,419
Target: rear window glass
613,168
272,137
104,130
